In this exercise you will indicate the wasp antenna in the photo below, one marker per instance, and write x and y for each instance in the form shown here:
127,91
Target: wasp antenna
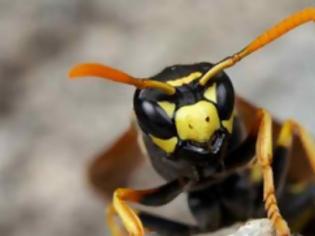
284,26
106,72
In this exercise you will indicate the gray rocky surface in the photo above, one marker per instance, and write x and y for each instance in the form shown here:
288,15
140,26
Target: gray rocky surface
254,227
51,127
262,227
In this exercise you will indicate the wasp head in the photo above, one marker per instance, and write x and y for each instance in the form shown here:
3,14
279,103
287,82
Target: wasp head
196,121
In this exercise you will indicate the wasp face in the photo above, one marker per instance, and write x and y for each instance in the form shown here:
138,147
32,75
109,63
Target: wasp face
193,124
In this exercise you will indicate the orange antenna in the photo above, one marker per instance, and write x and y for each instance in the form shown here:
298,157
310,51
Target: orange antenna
291,22
109,73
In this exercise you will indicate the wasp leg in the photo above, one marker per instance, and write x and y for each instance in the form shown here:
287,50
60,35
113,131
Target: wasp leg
289,130
301,202
306,140
166,227
162,226
151,197
263,130
115,229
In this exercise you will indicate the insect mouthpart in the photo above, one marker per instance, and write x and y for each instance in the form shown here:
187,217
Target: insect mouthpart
217,141
201,145
214,145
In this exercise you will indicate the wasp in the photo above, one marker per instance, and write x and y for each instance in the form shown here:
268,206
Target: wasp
234,161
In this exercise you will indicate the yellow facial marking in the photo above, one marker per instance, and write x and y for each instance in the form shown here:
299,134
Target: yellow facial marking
184,80
168,107
228,124
167,145
211,93
197,122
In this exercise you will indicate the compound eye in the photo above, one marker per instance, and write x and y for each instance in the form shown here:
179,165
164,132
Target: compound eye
154,120
222,93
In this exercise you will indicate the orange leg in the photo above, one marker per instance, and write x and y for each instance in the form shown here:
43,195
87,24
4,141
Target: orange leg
264,158
307,142
152,197
291,22
128,216
114,228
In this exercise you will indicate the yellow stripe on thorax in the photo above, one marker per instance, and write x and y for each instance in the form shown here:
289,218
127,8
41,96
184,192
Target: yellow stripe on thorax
184,80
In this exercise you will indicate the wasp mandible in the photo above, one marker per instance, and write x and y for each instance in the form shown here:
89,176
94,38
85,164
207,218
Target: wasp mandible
206,141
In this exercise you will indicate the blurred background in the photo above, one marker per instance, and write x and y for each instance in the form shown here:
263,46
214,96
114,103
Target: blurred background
51,128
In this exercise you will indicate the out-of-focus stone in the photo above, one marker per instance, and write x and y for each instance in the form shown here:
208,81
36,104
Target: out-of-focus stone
260,227
256,227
